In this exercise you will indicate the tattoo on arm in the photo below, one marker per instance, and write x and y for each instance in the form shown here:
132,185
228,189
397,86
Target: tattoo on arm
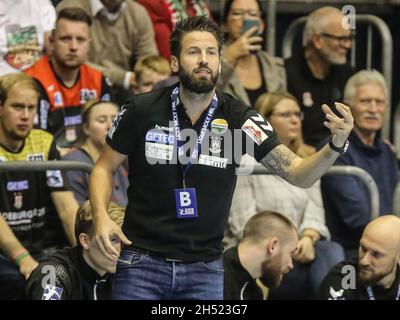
278,161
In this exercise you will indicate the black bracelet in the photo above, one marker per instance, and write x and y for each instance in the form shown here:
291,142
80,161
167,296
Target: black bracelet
337,149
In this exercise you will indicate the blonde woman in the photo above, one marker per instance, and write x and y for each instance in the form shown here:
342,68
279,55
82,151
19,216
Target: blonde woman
304,207
97,118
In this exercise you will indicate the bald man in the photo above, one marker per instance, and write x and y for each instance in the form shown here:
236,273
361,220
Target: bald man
318,73
265,253
376,275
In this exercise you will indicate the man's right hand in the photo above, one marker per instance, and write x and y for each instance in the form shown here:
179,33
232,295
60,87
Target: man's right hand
27,265
247,43
106,229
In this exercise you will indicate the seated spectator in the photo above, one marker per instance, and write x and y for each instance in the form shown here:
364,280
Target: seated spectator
149,71
24,30
318,73
346,198
265,252
81,272
29,201
65,81
122,34
165,13
375,275
247,70
316,254
97,117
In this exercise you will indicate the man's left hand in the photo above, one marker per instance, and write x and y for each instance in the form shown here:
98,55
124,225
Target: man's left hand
340,127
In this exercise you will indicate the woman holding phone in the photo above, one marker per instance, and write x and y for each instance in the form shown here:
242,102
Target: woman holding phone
247,70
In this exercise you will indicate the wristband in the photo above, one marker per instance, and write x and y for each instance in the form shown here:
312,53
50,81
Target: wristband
21,257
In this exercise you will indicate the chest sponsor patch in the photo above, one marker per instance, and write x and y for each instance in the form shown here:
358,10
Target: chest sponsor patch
159,137
52,292
219,126
254,131
213,161
35,157
18,185
159,151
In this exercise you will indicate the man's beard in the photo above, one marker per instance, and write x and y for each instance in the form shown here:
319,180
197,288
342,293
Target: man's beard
197,85
333,58
374,278
271,274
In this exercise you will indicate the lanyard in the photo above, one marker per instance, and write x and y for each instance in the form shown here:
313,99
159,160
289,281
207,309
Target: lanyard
372,297
206,124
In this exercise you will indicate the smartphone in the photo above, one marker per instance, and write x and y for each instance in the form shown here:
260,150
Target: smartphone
248,24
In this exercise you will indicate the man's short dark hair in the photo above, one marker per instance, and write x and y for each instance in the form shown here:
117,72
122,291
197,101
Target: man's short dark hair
267,224
228,6
74,14
191,24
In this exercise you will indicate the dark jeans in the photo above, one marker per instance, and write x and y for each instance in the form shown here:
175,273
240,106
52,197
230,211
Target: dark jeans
304,280
143,277
12,282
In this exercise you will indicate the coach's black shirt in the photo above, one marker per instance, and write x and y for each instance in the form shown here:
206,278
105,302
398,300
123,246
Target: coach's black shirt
312,93
150,220
335,285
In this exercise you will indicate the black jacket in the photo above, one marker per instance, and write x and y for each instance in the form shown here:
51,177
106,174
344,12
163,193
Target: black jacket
238,283
65,275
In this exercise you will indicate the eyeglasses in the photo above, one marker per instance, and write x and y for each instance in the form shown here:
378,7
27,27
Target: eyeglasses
288,114
238,13
341,39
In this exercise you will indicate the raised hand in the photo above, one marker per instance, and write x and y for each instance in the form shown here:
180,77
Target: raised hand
340,127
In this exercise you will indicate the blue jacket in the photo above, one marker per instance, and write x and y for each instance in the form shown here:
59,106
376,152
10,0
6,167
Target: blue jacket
346,198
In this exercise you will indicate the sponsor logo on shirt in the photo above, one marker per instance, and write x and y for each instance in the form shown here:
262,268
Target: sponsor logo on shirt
213,161
58,100
52,292
54,179
219,126
159,151
159,137
35,157
215,144
17,185
254,132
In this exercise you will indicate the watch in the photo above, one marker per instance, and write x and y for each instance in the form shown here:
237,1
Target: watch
341,150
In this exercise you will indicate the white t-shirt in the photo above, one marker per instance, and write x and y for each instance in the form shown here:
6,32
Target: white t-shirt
22,27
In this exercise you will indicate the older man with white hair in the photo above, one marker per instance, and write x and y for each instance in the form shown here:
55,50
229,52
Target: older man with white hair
346,198
318,73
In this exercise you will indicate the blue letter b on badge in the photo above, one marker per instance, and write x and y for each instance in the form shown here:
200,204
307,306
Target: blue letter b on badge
186,204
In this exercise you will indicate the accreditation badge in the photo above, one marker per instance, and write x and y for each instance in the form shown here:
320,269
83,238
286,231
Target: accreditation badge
186,203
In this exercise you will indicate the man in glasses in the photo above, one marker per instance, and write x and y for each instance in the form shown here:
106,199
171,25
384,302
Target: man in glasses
347,201
318,73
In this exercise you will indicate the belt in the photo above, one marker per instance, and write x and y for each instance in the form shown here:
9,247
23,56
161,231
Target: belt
153,254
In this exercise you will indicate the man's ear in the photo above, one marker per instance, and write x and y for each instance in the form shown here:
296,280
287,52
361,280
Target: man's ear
174,64
316,40
273,246
84,240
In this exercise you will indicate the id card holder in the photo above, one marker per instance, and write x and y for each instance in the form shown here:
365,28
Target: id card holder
186,203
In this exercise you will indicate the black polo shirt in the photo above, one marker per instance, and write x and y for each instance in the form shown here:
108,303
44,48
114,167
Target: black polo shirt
312,93
332,286
151,221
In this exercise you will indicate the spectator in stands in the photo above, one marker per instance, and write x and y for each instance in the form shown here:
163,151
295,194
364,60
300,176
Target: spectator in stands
29,201
149,71
165,13
81,272
375,275
318,73
265,252
247,70
24,30
316,254
346,198
65,81
122,33
97,117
